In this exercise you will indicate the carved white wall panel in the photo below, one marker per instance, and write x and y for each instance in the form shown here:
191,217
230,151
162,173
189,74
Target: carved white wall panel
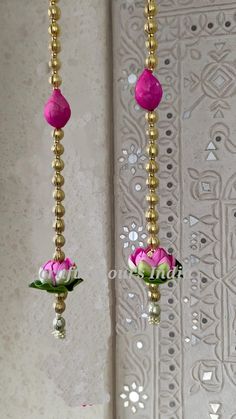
186,368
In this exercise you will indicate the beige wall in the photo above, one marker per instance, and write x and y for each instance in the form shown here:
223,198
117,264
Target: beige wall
185,369
41,377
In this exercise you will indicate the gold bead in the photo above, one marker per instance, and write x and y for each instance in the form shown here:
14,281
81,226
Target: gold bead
62,295
153,287
58,165
59,195
152,198
59,226
58,149
151,44
59,240
55,64
153,292
59,306
151,215
59,210
152,150
54,29
150,10
54,12
153,242
55,46
152,166
154,296
150,27
55,80
151,117
59,255
152,133
58,134
152,228
58,180
154,319
151,62
152,182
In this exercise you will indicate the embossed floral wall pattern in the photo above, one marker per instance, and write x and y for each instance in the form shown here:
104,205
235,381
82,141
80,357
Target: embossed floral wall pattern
187,367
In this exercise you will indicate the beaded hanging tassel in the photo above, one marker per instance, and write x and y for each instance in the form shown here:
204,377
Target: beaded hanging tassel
58,275
153,264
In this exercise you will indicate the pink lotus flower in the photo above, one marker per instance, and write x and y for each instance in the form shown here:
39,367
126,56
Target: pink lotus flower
149,263
57,273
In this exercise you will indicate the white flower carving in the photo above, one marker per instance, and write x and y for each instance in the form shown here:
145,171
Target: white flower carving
133,234
134,397
132,159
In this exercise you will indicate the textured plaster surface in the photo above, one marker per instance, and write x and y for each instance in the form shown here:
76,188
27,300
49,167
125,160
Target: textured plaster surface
41,377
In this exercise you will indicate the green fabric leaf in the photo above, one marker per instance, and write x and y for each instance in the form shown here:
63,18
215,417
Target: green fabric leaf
74,284
56,290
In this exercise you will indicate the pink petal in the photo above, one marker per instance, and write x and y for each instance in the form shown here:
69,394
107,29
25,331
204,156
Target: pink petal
135,254
173,262
157,256
56,266
163,252
62,265
69,263
143,257
131,265
147,249
48,265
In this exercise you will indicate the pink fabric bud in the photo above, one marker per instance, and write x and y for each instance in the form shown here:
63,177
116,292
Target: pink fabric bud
57,110
148,91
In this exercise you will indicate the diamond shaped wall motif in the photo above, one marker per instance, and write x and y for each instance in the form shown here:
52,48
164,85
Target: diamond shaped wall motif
193,220
218,80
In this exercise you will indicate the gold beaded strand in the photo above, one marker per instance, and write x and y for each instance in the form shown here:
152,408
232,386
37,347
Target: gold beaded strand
54,13
150,28
152,198
58,195
152,181
59,274
55,80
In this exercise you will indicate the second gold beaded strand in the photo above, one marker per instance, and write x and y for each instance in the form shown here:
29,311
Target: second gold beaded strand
153,264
